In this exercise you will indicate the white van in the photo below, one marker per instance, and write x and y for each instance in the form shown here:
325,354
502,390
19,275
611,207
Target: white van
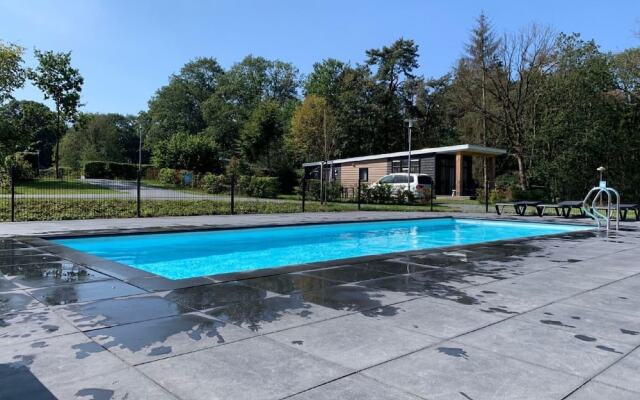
398,182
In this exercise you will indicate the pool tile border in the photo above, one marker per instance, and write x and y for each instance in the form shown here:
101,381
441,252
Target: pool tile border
152,283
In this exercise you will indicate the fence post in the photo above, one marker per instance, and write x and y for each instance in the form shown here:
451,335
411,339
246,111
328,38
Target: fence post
431,195
233,190
486,195
138,193
304,191
359,188
12,183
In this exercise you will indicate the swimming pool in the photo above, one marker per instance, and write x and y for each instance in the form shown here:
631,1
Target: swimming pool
201,253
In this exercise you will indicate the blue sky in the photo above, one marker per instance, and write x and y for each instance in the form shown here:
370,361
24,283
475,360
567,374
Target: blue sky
126,49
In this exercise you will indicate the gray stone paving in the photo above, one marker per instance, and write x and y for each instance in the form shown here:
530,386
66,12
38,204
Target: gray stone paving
542,318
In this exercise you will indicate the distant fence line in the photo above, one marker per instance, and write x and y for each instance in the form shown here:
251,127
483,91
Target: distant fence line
50,198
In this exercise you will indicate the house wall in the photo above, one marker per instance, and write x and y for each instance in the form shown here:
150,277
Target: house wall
349,173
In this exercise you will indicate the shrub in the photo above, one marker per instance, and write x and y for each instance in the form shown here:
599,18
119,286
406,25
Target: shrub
169,176
404,196
96,169
21,167
377,194
242,183
263,186
213,183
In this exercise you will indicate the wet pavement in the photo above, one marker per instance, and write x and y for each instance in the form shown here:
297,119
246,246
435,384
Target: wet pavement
541,318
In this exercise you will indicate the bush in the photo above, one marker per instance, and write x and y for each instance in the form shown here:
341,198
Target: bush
404,196
263,186
21,167
213,183
96,169
168,176
377,194
242,183
110,170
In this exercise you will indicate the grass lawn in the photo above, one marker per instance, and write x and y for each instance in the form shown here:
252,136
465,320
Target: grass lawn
61,209
52,186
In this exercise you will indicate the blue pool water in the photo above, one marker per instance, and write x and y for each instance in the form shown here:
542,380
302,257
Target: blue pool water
190,254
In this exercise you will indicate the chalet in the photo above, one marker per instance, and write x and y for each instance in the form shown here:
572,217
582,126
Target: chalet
450,167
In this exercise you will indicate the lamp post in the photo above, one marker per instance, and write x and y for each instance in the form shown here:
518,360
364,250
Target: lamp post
410,126
409,158
601,171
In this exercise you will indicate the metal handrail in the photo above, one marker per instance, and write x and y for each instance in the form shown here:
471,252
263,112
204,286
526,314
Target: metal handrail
593,210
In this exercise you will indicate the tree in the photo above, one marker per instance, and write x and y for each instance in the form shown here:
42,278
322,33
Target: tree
12,74
583,122
394,62
471,82
394,69
314,131
27,125
264,128
178,106
100,137
241,90
62,83
196,153
516,81
325,80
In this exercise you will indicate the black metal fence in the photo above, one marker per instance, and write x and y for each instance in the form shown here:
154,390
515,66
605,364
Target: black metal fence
71,196
364,196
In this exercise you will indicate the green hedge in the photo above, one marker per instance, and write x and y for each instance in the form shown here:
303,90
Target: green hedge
259,186
110,170
214,184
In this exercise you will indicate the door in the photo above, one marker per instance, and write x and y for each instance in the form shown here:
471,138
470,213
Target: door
445,174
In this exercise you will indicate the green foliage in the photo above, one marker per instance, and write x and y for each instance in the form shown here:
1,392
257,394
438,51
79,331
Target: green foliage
27,125
169,176
214,183
263,129
196,153
109,170
178,106
61,83
381,194
12,74
101,137
263,186
333,190
242,183
22,167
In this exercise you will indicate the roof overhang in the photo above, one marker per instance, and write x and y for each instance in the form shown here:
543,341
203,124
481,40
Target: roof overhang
467,149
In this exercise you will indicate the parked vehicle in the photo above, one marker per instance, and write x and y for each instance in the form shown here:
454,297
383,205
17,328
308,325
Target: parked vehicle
398,182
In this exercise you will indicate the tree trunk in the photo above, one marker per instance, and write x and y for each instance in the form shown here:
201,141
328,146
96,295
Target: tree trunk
58,136
57,158
522,173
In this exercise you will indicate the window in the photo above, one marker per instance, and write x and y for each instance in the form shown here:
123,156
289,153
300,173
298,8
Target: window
401,166
424,180
387,179
363,174
396,166
402,179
